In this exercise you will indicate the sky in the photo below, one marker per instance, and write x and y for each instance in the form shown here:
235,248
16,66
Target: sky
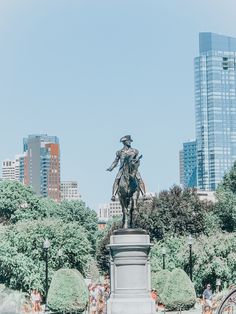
93,71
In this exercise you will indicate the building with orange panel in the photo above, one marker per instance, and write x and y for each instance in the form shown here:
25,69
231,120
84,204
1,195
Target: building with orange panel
42,165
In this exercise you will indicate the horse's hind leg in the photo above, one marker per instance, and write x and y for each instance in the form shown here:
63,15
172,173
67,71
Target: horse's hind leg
125,219
131,214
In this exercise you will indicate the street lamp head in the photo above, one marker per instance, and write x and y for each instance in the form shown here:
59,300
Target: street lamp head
60,253
46,244
163,251
190,240
218,282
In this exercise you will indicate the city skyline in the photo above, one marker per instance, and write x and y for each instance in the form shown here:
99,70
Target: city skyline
93,73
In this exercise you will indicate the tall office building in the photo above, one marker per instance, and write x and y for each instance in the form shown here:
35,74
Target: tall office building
69,190
188,165
215,108
42,165
181,168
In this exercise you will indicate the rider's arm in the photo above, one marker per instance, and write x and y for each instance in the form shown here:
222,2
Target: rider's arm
115,162
136,153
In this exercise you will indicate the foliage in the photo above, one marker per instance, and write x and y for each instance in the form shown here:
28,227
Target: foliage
177,211
102,252
229,180
225,208
19,202
92,271
68,291
212,222
159,281
15,197
179,291
175,247
213,257
22,260
77,211
11,302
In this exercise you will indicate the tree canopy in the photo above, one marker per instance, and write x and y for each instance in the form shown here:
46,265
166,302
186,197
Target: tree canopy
22,261
225,208
176,211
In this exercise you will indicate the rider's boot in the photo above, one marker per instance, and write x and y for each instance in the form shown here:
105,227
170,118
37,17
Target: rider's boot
114,190
113,198
142,189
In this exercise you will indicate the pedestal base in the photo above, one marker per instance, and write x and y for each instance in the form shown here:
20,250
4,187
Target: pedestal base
131,306
130,273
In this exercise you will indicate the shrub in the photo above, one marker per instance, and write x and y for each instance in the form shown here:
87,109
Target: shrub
67,292
159,281
11,301
179,292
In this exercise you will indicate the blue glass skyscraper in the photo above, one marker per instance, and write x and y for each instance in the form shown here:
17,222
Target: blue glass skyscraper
189,164
215,108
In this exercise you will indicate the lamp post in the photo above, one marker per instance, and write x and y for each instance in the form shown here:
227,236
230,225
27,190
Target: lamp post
163,258
46,245
190,242
218,284
59,255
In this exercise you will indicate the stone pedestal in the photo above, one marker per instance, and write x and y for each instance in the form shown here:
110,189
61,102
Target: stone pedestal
130,273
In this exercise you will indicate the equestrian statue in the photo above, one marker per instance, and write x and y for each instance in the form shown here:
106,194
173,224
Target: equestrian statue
128,182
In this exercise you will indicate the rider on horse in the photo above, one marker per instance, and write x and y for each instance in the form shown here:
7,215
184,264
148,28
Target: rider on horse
122,155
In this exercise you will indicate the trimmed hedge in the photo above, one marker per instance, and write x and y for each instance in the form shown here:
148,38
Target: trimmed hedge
179,292
68,292
159,281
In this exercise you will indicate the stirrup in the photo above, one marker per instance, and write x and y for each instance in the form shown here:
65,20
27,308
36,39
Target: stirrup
113,198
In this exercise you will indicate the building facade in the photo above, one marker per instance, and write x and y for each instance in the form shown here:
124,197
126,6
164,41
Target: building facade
109,210
189,164
215,108
181,168
13,170
8,170
42,165
69,190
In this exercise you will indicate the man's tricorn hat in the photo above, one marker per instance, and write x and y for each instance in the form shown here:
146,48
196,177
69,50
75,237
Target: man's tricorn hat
126,138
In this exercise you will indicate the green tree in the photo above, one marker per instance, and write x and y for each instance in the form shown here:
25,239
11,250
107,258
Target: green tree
213,257
16,198
176,249
229,179
225,208
102,253
77,211
177,211
22,261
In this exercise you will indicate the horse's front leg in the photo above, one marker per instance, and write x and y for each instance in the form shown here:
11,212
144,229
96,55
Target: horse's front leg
124,218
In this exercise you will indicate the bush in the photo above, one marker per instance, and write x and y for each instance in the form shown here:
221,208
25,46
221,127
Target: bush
179,292
159,281
11,301
68,291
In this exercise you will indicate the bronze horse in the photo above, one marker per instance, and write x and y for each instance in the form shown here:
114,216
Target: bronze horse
128,190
